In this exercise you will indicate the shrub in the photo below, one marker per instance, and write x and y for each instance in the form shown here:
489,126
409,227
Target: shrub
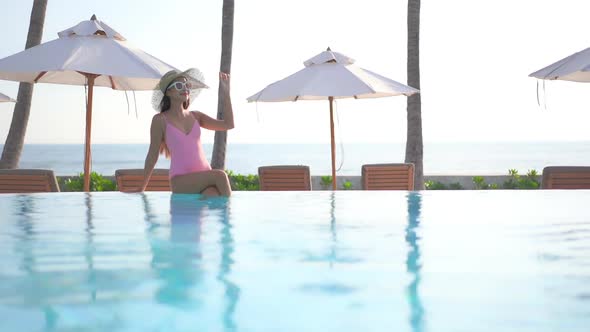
434,185
243,182
455,186
480,183
325,181
529,181
97,183
347,185
437,185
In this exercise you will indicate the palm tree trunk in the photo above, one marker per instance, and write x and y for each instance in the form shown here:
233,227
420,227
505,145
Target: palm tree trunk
13,146
227,35
414,144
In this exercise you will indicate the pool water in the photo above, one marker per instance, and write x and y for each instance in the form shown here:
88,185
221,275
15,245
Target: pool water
296,261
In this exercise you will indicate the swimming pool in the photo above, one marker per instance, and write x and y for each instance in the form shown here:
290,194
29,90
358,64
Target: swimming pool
286,261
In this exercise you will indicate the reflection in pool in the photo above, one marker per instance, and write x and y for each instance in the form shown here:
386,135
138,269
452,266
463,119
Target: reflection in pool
296,261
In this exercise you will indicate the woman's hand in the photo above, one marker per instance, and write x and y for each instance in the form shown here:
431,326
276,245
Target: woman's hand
224,80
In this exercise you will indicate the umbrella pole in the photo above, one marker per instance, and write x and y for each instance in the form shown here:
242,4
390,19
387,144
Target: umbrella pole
331,99
87,155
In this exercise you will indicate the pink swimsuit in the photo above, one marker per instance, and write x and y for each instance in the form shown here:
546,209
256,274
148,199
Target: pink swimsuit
186,152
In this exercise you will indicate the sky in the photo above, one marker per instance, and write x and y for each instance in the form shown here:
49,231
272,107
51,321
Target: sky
475,58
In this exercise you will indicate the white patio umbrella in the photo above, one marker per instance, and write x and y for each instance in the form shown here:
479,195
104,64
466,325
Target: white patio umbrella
575,67
328,76
5,99
90,53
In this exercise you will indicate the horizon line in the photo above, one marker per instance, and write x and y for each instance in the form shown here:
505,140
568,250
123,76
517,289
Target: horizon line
338,143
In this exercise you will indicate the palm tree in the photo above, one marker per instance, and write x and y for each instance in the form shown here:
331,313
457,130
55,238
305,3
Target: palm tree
227,35
414,145
20,117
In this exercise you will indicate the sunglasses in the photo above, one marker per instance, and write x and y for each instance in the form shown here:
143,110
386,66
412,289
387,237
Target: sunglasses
180,86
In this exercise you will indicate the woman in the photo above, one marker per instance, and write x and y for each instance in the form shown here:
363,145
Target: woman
176,131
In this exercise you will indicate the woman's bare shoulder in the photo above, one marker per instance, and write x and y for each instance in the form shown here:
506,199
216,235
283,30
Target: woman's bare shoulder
197,114
158,119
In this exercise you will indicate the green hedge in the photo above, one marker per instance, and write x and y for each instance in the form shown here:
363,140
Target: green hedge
250,182
97,183
241,182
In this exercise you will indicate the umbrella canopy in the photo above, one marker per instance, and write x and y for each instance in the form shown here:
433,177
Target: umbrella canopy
90,53
328,76
331,74
575,67
4,98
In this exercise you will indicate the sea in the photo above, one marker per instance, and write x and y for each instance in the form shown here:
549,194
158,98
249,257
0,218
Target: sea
458,158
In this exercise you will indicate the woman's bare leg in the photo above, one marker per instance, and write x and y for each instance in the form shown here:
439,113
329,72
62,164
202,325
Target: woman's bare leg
195,183
210,191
